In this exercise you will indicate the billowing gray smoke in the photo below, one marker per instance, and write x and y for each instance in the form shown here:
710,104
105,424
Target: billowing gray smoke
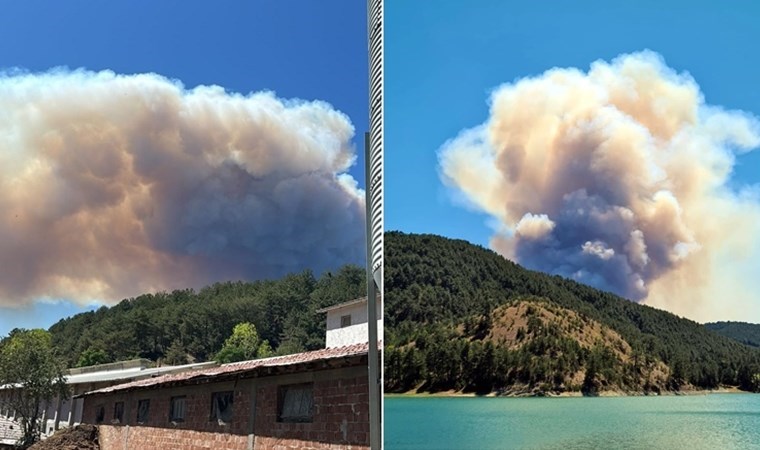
618,178
113,185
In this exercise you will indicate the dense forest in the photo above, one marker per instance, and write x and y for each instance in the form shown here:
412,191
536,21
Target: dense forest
746,333
460,317
186,326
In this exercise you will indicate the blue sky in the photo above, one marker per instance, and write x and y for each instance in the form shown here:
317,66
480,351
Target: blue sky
443,58
299,49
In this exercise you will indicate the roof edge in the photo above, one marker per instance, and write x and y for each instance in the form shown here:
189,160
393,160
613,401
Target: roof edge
344,304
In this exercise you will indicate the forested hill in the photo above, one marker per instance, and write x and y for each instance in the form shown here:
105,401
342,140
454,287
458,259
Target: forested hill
746,333
461,317
184,326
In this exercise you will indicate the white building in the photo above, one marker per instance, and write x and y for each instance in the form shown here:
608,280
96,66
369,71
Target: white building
347,322
59,414
10,431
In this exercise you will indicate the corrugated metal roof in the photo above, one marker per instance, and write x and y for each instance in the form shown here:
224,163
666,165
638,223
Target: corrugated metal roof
125,374
344,304
135,372
240,367
118,365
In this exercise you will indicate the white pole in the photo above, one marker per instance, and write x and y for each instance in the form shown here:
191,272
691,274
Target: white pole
372,353
373,157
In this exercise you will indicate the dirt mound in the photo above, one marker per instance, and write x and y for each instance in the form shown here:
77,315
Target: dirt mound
80,437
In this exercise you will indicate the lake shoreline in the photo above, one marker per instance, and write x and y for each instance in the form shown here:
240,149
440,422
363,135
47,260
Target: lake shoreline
567,394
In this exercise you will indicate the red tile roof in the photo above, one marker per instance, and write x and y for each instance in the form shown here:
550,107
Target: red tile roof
243,366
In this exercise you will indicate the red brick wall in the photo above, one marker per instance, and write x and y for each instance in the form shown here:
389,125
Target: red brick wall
196,432
198,408
341,418
139,438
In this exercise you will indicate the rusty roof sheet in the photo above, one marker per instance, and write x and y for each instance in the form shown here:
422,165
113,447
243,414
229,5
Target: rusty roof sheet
348,303
241,367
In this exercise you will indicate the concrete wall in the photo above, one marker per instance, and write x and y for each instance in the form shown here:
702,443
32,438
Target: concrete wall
10,431
67,412
350,335
354,334
340,421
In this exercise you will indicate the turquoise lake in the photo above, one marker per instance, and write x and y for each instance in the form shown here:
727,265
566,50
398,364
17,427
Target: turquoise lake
716,421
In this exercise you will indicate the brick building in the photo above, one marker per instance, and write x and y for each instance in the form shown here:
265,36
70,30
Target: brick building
62,413
310,400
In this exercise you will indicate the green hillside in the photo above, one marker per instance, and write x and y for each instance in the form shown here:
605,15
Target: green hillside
186,326
449,306
746,333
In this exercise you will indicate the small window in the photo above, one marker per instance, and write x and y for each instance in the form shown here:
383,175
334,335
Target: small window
100,414
221,406
345,321
118,412
143,410
177,409
295,403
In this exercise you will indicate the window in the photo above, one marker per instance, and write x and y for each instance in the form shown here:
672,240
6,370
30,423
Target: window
143,410
177,409
295,403
221,406
100,414
118,412
345,321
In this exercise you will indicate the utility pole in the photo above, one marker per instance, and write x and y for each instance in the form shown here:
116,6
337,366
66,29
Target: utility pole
373,163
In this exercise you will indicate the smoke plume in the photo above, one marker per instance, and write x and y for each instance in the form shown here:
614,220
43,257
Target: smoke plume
619,178
114,185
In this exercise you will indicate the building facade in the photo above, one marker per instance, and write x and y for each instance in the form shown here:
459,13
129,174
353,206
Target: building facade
64,412
311,400
347,322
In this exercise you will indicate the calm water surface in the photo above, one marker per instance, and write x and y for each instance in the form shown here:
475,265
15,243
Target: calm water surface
717,421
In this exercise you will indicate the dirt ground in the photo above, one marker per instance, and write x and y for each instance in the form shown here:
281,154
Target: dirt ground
80,437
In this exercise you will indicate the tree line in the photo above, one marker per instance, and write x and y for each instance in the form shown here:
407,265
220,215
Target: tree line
434,285
187,326
746,333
